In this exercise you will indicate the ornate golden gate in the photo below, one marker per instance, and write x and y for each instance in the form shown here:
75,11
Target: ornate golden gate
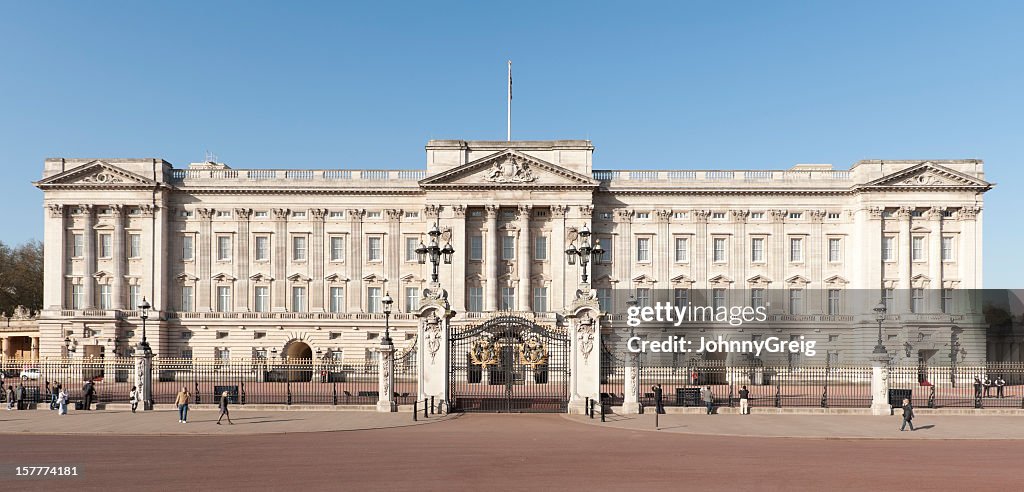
508,364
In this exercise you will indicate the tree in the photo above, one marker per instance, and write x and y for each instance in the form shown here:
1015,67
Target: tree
21,276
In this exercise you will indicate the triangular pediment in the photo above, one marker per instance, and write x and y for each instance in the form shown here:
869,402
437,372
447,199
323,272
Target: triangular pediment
259,277
682,279
836,279
643,279
223,277
186,277
720,279
373,278
798,280
298,277
96,174
759,279
334,277
509,169
928,175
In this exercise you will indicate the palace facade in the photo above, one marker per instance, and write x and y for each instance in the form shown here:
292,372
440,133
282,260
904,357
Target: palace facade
287,262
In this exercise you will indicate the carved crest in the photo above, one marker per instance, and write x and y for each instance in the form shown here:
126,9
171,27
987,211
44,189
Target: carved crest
585,334
483,353
511,169
432,332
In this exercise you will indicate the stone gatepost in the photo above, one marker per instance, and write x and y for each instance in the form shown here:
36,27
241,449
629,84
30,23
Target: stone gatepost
386,377
880,384
631,385
144,376
432,373
584,330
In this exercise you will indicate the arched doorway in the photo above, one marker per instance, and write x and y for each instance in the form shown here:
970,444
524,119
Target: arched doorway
299,361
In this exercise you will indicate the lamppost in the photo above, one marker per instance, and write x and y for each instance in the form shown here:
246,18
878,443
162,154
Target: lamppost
585,252
880,317
387,301
144,315
435,251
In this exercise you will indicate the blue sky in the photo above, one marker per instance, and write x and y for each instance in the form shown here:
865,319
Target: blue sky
364,85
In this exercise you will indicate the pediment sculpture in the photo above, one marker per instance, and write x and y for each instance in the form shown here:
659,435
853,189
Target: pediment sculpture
511,169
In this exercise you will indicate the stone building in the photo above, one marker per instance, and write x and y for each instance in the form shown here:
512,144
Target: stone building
288,262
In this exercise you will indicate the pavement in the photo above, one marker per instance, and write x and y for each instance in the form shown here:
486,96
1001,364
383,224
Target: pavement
822,426
202,421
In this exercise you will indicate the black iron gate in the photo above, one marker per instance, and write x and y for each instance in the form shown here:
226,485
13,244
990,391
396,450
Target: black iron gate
508,364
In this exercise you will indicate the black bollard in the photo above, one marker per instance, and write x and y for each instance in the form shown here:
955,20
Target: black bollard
433,409
586,407
591,407
425,409
602,410
415,411
655,420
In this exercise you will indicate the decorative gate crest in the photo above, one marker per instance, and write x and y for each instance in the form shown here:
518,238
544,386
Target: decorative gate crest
483,353
532,352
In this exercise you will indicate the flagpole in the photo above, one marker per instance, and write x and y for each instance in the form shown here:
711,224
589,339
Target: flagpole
508,134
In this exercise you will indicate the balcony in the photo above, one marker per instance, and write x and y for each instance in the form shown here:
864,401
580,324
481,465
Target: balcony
697,179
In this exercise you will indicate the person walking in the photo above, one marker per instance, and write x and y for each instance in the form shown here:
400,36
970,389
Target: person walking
19,396
744,401
709,399
54,393
182,403
224,408
133,398
10,396
88,393
659,406
1000,382
62,401
977,387
908,415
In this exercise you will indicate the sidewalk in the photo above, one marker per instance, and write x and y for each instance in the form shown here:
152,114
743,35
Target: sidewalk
930,426
201,422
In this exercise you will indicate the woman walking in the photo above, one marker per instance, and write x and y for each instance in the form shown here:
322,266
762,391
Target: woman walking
182,402
908,415
62,401
133,398
224,408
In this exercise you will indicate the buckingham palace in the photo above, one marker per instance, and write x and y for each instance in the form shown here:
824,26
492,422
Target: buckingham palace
296,262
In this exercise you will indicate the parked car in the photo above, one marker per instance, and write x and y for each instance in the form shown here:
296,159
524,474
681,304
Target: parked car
31,373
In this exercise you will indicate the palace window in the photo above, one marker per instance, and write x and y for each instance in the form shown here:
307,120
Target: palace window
134,246
796,249
917,300
757,298
540,299
299,248
540,248
337,248
834,249
718,250
223,298
373,248
887,299
643,297
412,299
187,250
889,248
833,302
917,248
604,299
947,248
680,297
411,243
508,247
643,249
508,298
476,248
756,215
185,303
77,246
223,248
262,248
608,246
476,300
77,296
947,301
134,296
682,250
261,302
299,299
718,216
106,246
718,298
796,215
373,299
337,299
106,297
796,301
757,250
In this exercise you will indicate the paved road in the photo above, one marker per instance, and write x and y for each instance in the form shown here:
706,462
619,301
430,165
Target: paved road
504,452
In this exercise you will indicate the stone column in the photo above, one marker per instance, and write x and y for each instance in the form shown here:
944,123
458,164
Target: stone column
873,270
316,261
356,260
55,258
385,378
623,259
879,384
393,257
144,376
905,264
585,330
738,257
492,257
89,260
461,257
523,257
205,251
934,216
243,296
35,348
433,356
279,259
559,264
631,385
777,256
119,257
815,257
664,255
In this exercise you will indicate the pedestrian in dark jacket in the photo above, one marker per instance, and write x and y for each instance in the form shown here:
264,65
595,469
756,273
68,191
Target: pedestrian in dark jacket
659,406
89,392
977,387
1000,382
908,415
10,396
709,399
224,408
19,396
988,387
744,401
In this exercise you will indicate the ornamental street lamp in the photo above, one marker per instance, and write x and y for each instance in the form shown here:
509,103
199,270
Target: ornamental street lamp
144,315
387,301
880,317
585,252
434,251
